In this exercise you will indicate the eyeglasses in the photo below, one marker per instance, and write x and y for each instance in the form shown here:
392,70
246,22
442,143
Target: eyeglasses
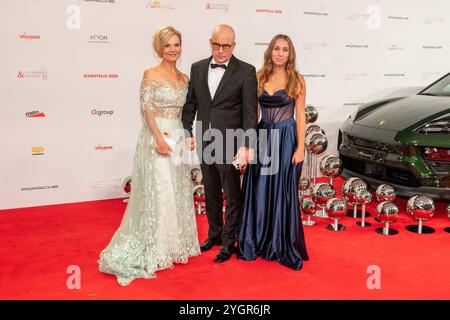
217,46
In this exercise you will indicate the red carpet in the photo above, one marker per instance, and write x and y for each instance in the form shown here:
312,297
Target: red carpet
38,244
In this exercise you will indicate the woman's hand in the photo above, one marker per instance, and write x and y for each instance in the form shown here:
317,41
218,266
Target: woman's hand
298,157
162,147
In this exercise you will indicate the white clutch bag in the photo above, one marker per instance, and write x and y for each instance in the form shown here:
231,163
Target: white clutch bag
170,142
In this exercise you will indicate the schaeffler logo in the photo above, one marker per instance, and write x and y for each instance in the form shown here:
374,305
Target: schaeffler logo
37,151
100,75
35,114
103,148
39,188
225,7
272,11
98,38
262,44
394,74
26,36
32,74
100,113
156,4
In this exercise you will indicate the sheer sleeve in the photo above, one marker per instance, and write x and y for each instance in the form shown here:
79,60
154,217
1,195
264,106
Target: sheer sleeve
148,108
147,97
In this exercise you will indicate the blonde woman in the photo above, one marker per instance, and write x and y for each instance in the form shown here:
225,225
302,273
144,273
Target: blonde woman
271,226
158,228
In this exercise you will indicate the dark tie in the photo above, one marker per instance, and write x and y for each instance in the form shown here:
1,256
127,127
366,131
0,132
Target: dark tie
215,65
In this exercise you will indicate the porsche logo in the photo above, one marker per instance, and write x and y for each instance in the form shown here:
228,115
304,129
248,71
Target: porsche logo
373,156
364,154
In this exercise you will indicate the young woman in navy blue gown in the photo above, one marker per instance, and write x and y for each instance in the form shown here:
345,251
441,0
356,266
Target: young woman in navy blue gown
271,226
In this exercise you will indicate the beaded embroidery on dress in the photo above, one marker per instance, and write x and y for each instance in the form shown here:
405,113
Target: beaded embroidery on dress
158,227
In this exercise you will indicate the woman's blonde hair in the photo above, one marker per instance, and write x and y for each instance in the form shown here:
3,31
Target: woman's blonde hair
293,85
162,36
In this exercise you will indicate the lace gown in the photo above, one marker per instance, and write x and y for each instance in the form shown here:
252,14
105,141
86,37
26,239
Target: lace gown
158,227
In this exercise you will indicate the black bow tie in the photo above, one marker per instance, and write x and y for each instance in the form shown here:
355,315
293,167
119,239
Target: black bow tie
215,65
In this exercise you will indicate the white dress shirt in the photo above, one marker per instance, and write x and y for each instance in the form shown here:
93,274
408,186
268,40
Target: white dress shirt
214,77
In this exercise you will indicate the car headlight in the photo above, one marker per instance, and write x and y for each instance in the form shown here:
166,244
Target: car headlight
436,127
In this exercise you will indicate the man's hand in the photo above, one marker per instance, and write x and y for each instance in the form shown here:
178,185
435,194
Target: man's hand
191,144
244,156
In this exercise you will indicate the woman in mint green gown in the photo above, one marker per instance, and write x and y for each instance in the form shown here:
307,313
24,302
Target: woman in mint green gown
158,228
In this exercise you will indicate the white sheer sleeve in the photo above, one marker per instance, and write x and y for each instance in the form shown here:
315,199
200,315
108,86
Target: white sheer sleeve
148,108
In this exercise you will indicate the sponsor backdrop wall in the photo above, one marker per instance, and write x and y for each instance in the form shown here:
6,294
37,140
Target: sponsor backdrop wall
71,71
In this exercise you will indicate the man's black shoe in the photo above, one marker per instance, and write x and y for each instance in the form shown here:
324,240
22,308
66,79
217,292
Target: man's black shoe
225,253
209,243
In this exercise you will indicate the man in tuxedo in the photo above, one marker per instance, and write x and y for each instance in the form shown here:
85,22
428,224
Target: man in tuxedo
223,94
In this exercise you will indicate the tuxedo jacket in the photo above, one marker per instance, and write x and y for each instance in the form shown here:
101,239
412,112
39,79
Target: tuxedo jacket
234,105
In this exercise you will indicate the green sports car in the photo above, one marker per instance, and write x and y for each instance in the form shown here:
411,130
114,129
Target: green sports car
401,141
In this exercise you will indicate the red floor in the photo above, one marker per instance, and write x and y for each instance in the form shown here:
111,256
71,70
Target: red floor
38,244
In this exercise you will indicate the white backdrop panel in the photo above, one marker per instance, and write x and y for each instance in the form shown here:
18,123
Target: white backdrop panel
54,55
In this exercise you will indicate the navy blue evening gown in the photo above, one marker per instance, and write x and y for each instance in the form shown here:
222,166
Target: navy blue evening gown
271,226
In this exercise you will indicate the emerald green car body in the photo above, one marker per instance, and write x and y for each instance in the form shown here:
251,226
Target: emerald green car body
384,142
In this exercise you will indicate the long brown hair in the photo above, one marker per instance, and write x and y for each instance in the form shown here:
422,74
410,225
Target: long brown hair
293,85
